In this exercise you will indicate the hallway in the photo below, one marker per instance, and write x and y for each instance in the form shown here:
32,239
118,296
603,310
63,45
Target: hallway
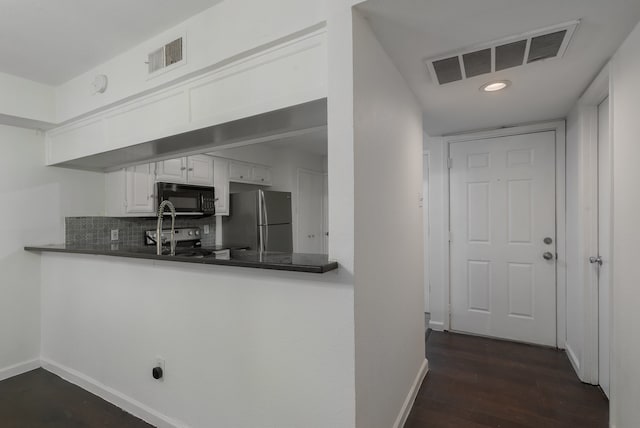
475,382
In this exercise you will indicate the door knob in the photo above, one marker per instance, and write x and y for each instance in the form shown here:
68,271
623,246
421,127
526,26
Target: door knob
548,240
596,260
547,256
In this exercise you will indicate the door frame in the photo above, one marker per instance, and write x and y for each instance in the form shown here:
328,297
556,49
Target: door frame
561,266
426,159
600,89
297,204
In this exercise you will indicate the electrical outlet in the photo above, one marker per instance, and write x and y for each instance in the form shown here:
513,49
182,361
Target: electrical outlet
114,234
205,229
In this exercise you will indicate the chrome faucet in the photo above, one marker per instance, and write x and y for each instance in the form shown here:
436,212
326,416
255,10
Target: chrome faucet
172,239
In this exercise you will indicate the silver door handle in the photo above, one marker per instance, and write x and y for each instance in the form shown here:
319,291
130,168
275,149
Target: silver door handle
547,256
595,260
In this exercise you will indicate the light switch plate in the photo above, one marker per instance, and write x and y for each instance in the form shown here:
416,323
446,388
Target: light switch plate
205,229
114,234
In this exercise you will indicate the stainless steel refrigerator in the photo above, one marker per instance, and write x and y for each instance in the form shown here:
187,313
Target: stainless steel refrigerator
260,220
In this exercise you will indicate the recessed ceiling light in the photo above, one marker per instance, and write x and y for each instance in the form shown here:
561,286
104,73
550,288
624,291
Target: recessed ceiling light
495,86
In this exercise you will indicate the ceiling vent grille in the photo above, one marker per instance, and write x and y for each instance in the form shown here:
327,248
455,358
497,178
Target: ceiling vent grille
166,56
547,43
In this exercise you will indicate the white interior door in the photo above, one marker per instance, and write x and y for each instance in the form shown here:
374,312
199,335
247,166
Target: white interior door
604,244
502,219
310,212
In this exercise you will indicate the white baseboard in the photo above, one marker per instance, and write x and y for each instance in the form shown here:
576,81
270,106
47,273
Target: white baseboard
573,358
411,397
436,325
18,369
114,397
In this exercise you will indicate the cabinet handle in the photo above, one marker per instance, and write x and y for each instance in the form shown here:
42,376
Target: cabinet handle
183,168
242,176
190,169
262,179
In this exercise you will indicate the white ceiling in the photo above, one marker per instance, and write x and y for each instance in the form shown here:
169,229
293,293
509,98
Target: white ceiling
411,31
52,41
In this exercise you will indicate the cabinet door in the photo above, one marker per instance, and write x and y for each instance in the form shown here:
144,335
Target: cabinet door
261,175
239,171
172,170
200,170
139,183
221,183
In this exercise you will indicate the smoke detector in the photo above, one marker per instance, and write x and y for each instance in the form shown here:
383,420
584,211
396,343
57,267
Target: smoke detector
515,51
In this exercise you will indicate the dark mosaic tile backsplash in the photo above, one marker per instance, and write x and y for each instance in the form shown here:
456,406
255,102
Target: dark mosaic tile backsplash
97,230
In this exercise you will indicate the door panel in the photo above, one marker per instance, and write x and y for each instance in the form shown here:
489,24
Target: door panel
502,207
172,170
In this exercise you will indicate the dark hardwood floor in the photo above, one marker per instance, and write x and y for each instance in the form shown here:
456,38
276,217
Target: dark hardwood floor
472,383
475,382
39,399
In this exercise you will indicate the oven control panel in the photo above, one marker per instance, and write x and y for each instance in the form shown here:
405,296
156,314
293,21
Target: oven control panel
181,234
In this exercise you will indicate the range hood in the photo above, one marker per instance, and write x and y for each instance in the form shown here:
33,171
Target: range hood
270,126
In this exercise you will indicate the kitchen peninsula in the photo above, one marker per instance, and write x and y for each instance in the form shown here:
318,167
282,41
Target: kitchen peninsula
295,262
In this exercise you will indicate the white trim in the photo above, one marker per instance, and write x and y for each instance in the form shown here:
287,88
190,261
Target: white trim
573,359
561,266
325,227
588,119
18,369
109,394
436,325
411,397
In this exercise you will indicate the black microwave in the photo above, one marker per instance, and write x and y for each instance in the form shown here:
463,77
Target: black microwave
187,198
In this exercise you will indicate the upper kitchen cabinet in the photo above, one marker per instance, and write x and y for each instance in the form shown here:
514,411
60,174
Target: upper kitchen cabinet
249,173
200,170
130,191
191,170
261,175
172,170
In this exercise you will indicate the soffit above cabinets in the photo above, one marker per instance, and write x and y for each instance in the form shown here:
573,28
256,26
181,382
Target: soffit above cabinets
515,51
274,125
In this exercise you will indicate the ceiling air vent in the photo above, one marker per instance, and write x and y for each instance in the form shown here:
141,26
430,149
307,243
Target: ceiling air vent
168,55
502,54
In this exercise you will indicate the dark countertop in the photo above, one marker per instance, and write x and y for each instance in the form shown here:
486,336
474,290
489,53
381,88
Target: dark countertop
313,263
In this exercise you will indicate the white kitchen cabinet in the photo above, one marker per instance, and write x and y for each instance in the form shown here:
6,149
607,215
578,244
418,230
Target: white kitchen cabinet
196,170
245,172
130,191
239,171
261,175
221,184
172,170
200,170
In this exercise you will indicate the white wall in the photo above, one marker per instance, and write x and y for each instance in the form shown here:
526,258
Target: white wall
243,347
389,287
35,200
625,384
221,34
25,99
